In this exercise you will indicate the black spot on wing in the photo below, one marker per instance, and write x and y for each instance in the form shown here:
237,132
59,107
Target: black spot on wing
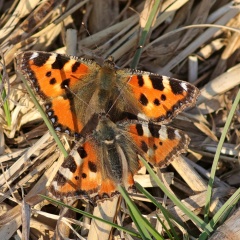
144,146
154,130
61,180
157,82
59,62
139,129
75,66
92,166
140,80
176,87
69,96
83,154
143,100
163,97
65,83
171,133
52,81
70,164
41,59
48,74
84,175
156,102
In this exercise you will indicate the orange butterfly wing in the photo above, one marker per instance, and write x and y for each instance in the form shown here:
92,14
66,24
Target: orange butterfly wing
158,144
59,81
155,97
80,176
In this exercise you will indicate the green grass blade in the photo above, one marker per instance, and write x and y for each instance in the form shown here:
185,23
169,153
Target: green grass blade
139,224
145,32
222,212
167,215
226,208
142,224
198,221
45,118
5,104
91,216
217,155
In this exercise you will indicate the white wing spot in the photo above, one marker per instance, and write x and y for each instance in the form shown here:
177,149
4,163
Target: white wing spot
66,172
147,82
177,134
34,55
163,133
184,86
52,58
78,160
146,131
165,81
55,186
142,116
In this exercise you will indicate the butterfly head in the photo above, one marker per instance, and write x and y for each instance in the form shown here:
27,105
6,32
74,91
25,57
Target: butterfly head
106,130
109,63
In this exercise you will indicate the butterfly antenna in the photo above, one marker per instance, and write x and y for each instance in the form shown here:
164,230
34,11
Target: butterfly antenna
83,24
120,93
76,95
89,34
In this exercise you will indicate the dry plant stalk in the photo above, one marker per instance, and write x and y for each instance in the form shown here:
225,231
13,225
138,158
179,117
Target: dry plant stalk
208,56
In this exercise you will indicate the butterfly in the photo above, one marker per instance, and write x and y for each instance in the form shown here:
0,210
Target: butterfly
95,104
108,157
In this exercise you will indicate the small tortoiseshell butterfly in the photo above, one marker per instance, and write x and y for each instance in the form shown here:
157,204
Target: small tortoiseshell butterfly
109,156
75,90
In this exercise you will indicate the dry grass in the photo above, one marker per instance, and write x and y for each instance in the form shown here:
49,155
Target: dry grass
206,56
